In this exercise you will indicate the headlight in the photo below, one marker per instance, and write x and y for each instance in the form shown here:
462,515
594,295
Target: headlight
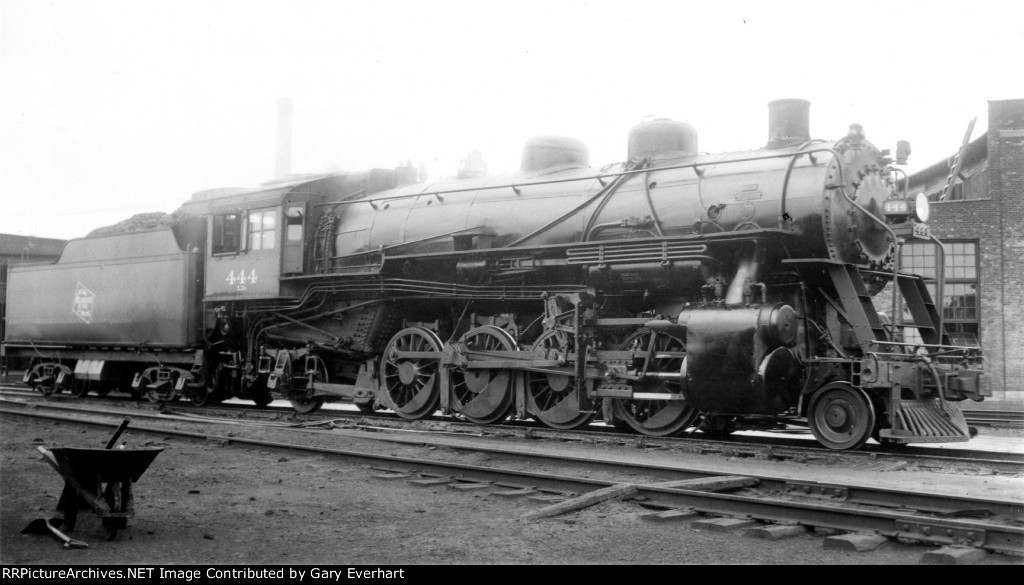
921,208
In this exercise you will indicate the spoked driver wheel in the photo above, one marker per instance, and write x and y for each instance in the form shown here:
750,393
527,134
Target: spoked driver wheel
484,396
412,383
552,398
657,418
841,416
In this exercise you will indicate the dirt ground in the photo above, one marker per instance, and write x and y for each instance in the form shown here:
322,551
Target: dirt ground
205,503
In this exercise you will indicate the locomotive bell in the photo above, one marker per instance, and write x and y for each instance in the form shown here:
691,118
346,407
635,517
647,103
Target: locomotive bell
902,152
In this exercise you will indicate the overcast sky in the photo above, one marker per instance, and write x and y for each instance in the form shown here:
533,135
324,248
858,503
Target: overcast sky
111,108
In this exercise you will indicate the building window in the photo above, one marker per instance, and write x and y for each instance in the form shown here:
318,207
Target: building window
960,306
262,229
227,233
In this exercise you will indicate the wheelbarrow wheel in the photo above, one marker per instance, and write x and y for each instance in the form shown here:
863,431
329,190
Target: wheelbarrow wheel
114,497
110,528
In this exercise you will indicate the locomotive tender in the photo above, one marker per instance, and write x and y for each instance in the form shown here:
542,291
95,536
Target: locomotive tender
677,289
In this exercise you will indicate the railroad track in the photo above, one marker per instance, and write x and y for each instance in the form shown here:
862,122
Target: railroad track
757,499
995,418
781,447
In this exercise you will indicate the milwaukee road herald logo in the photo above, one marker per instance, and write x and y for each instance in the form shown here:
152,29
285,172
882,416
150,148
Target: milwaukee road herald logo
84,301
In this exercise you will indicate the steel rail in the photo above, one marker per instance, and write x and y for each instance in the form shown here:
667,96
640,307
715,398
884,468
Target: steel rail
995,417
901,525
781,446
860,494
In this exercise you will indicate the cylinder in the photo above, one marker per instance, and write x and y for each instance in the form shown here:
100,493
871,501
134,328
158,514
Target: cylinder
726,351
789,122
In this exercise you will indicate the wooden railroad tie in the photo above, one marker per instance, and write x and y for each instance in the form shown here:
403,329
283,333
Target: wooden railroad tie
705,484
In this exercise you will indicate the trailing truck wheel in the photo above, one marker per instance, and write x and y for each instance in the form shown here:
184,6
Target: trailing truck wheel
841,416
306,405
207,396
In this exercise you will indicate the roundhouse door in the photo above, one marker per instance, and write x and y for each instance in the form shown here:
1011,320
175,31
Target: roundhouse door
294,237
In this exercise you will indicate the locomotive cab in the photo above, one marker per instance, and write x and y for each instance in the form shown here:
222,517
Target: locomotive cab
257,237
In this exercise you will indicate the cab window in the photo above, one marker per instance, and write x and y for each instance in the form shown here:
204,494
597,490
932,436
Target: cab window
293,220
262,229
227,233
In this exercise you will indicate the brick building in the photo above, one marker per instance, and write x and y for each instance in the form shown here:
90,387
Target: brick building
982,224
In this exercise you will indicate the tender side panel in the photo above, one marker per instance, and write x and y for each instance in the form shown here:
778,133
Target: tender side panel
130,289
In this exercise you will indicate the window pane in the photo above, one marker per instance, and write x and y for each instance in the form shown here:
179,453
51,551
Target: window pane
261,229
226,233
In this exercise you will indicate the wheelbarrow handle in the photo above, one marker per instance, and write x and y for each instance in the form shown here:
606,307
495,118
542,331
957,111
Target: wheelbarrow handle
68,541
117,434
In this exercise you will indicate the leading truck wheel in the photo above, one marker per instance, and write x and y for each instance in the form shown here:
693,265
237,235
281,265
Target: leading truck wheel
841,416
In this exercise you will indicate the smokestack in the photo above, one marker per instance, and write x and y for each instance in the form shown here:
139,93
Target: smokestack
789,122
284,137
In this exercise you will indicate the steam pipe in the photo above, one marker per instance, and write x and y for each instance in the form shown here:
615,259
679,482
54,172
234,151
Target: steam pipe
940,282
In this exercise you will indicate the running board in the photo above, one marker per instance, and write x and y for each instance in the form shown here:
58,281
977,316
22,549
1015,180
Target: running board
926,421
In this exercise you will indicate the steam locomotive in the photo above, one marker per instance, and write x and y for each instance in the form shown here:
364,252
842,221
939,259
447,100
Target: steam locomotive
675,290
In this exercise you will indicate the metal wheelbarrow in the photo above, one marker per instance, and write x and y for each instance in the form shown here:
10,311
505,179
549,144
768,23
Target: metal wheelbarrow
99,480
